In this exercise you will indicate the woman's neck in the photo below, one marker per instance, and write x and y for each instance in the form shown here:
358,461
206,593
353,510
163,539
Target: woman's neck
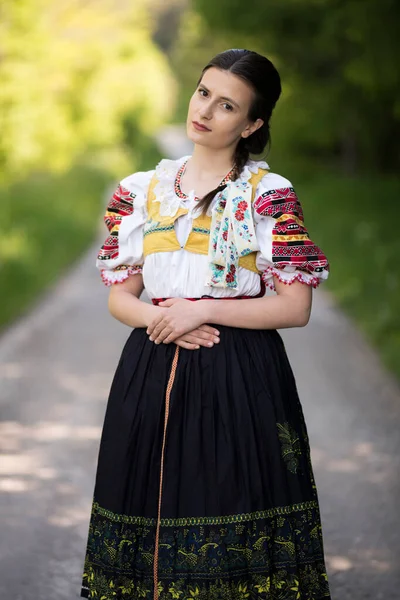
206,162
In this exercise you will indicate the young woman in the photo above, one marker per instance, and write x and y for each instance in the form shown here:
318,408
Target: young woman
204,485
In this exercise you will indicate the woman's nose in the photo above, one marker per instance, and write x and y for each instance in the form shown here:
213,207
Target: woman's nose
206,111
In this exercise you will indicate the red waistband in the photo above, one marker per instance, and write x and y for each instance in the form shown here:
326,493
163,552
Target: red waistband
205,297
157,301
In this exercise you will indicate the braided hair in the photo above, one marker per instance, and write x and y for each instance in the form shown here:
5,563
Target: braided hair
259,72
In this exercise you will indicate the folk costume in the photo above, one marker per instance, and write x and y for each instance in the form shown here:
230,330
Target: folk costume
204,486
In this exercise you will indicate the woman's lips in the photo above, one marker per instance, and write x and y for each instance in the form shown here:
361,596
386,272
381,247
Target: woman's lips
200,127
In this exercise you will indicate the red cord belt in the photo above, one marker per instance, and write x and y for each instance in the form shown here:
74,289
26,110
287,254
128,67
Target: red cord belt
157,301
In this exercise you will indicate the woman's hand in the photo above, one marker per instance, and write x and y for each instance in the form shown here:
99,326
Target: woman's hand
181,317
202,336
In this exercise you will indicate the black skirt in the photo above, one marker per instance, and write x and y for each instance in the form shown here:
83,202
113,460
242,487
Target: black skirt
204,487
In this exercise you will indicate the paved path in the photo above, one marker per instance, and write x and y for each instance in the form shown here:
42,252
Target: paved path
56,367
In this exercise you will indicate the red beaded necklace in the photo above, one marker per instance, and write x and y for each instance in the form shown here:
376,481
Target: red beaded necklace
177,184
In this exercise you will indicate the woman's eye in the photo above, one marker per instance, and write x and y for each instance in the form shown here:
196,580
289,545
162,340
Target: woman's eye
201,92
228,106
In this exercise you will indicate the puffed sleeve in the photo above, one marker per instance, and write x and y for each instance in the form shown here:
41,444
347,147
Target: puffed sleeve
286,250
121,254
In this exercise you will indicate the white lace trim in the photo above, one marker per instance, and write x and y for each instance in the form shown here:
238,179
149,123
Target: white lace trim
164,190
288,278
252,166
110,277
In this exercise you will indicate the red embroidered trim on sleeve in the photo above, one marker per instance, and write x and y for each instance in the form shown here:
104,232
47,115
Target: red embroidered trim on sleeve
119,274
296,276
291,244
275,203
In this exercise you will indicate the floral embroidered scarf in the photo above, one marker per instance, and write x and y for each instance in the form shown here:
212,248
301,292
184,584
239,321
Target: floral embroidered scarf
232,234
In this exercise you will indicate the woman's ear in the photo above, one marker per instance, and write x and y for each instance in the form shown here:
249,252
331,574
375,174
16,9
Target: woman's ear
252,127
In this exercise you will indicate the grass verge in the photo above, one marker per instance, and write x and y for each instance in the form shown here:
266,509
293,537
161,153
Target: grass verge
48,222
351,221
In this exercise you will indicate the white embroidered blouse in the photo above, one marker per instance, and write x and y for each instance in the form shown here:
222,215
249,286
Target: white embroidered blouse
284,248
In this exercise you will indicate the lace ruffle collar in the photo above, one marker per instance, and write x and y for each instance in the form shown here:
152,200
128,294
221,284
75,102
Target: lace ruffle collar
166,171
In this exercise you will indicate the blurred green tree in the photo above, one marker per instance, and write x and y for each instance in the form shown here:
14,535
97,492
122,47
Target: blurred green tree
73,75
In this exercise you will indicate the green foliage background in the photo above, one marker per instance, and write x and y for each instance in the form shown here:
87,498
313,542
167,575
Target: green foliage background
78,109
77,77
340,64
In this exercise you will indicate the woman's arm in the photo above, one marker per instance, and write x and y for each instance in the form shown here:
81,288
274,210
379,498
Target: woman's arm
125,306
291,307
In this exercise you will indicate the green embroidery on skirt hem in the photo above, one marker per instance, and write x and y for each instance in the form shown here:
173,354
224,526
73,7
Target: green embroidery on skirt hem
310,583
279,557
187,521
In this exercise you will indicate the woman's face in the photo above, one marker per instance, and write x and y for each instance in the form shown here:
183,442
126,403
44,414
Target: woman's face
220,103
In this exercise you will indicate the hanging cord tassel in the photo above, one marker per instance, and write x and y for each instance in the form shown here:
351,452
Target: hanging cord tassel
167,397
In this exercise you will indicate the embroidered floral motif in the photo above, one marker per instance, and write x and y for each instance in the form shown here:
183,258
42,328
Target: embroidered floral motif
286,588
275,553
246,231
290,442
233,234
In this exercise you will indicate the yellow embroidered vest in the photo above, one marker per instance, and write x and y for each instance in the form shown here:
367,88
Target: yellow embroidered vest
159,231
